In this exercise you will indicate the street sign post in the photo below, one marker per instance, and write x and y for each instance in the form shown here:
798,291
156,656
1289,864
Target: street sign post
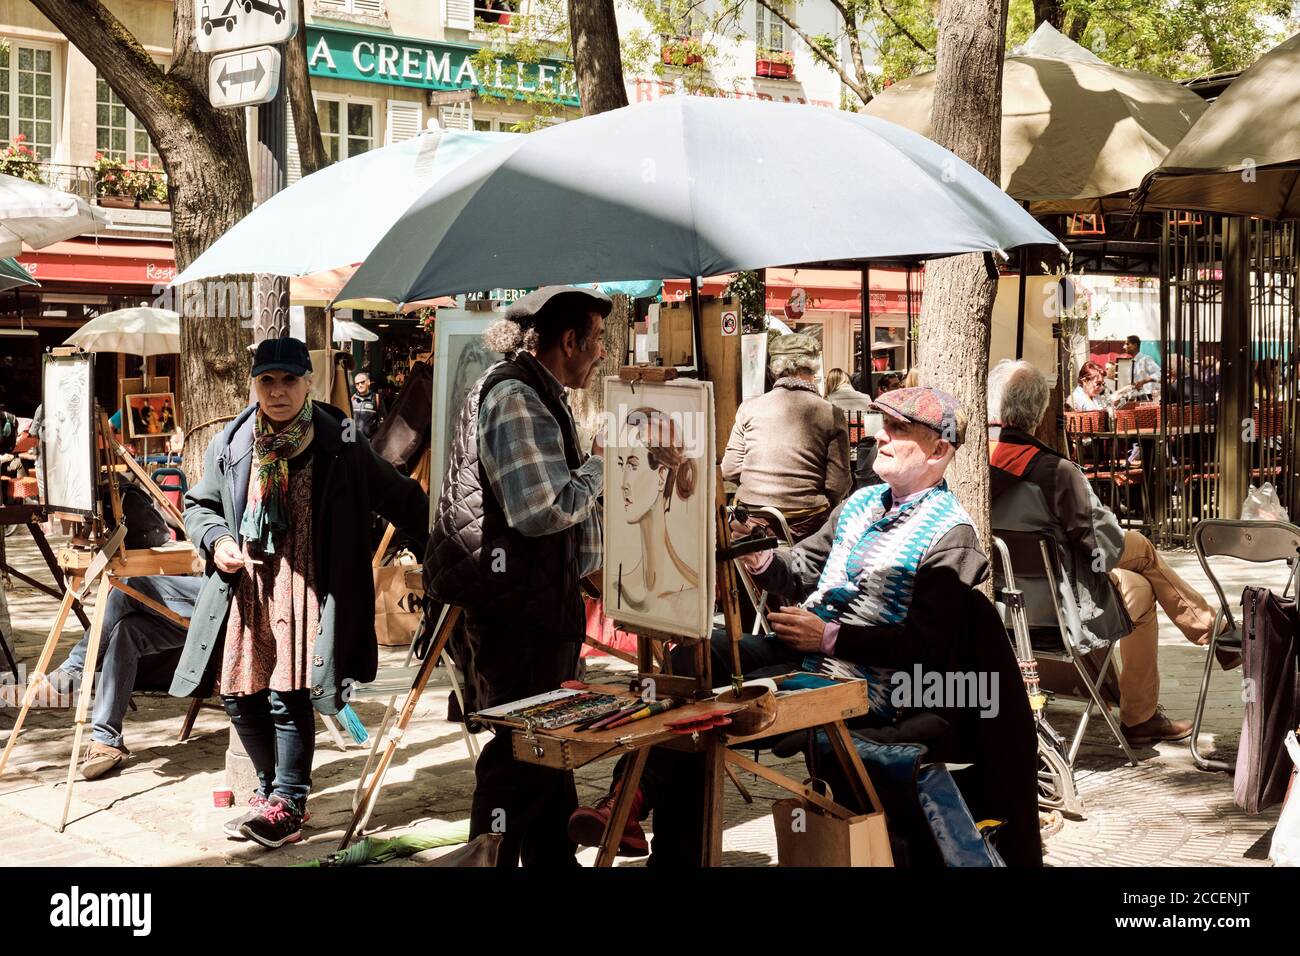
222,25
244,78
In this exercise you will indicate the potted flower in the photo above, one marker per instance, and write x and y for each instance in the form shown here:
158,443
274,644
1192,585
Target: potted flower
17,159
151,186
115,185
777,64
682,51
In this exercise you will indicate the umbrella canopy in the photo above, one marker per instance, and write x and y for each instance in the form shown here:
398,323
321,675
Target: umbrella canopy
335,216
140,331
319,289
1074,128
688,186
39,216
345,331
1243,156
12,275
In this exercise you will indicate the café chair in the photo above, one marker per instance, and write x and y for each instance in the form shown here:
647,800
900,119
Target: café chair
1036,556
1260,542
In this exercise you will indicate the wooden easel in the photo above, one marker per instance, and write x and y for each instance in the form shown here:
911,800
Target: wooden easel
30,517
110,563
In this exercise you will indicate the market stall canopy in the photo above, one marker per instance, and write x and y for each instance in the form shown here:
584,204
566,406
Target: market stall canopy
688,186
37,216
1243,156
1075,130
139,331
335,216
13,275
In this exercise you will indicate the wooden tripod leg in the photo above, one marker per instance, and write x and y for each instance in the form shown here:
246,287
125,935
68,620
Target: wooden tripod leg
191,715
44,661
627,788
43,546
364,808
87,689
851,763
714,761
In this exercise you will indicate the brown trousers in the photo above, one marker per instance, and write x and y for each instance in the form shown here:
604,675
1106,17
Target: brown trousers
1145,579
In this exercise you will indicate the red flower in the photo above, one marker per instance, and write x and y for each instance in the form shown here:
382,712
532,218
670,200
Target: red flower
20,138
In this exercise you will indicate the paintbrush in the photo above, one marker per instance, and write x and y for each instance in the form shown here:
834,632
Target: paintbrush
602,722
649,710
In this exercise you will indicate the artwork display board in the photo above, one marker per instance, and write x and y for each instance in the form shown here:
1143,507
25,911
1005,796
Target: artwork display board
460,357
150,414
68,434
660,500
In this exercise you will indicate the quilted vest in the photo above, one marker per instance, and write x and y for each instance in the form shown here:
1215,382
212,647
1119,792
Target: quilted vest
475,560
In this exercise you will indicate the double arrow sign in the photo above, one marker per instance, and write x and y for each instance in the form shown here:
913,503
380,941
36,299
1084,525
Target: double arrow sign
244,78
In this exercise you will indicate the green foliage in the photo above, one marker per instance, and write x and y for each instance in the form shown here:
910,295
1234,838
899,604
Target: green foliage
749,288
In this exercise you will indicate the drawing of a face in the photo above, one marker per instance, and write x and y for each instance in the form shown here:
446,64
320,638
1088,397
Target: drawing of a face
643,484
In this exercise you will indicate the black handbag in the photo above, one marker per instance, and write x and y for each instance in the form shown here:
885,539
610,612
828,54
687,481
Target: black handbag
1268,643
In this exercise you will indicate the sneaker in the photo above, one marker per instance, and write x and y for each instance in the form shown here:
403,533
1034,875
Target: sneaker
587,825
233,827
278,823
101,759
1158,727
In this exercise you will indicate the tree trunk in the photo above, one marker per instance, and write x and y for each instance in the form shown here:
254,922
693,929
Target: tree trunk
297,83
957,308
204,153
1049,11
597,59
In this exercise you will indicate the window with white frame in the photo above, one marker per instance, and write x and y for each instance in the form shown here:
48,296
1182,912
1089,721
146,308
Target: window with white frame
769,30
370,8
684,18
27,97
347,126
118,134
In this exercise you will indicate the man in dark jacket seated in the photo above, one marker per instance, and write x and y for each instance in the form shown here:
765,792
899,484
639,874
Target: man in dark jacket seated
877,588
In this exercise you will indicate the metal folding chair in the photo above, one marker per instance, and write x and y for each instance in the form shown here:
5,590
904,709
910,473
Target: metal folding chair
1260,542
1037,555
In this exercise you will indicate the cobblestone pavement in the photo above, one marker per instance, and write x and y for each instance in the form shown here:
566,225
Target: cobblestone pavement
158,812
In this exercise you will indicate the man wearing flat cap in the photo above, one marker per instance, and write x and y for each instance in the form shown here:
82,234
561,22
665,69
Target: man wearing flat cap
517,527
875,591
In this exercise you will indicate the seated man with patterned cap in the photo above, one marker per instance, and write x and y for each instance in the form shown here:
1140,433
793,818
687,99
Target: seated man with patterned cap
874,591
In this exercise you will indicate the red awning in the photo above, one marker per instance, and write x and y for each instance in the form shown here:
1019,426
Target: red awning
102,262
829,289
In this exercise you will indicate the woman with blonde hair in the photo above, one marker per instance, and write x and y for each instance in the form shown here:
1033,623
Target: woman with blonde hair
655,469
841,393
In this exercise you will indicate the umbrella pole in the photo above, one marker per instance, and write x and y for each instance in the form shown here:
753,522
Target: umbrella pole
863,370
697,329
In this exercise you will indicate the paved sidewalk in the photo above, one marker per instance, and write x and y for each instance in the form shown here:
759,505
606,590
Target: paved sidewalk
158,811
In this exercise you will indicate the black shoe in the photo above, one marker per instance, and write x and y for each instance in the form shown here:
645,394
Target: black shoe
278,823
234,827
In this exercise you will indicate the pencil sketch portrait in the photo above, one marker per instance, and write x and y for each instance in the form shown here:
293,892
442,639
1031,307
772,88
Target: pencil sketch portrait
460,358
659,508
66,438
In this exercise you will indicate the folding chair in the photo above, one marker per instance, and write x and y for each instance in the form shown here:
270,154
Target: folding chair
757,596
1036,555
1260,542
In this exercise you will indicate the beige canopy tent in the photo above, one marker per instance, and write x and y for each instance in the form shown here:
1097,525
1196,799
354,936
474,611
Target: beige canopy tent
1077,133
1243,156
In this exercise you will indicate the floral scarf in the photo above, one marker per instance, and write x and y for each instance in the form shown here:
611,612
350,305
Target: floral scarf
268,510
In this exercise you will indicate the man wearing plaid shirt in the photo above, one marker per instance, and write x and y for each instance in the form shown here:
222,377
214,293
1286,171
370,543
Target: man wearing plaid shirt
518,526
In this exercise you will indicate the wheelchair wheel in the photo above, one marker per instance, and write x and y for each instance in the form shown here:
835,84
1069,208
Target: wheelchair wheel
1056,790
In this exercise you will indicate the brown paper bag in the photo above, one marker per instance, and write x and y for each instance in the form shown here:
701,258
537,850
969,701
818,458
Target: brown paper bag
806,835
397,606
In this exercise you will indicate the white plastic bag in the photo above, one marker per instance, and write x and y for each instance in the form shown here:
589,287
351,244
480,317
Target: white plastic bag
1285,850
1262,504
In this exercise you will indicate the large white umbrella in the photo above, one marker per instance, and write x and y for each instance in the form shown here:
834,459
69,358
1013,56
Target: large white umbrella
39,216
138,331
347,331
334,217
688,186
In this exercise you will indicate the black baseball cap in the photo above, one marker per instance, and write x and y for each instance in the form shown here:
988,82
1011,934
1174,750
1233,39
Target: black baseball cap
286,355
554,301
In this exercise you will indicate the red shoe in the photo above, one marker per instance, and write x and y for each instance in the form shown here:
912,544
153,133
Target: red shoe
587,825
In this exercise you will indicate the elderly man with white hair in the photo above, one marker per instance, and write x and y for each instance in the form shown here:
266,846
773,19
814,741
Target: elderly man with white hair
1118,575
789,448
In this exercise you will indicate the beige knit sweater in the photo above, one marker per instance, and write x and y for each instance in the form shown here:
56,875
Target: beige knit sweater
789,449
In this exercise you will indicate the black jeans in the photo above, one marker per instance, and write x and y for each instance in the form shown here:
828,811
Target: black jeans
279,732
529,805
673,780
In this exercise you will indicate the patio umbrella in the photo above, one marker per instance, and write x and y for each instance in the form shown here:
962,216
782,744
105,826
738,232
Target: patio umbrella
1243,156
12,275
345,331
321,288
688,186
1074,128
139,331
39,216
335,216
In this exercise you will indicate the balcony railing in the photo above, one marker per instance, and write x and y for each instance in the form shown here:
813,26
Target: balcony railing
91,186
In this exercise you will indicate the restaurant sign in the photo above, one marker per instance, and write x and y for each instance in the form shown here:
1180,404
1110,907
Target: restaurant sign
397,61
